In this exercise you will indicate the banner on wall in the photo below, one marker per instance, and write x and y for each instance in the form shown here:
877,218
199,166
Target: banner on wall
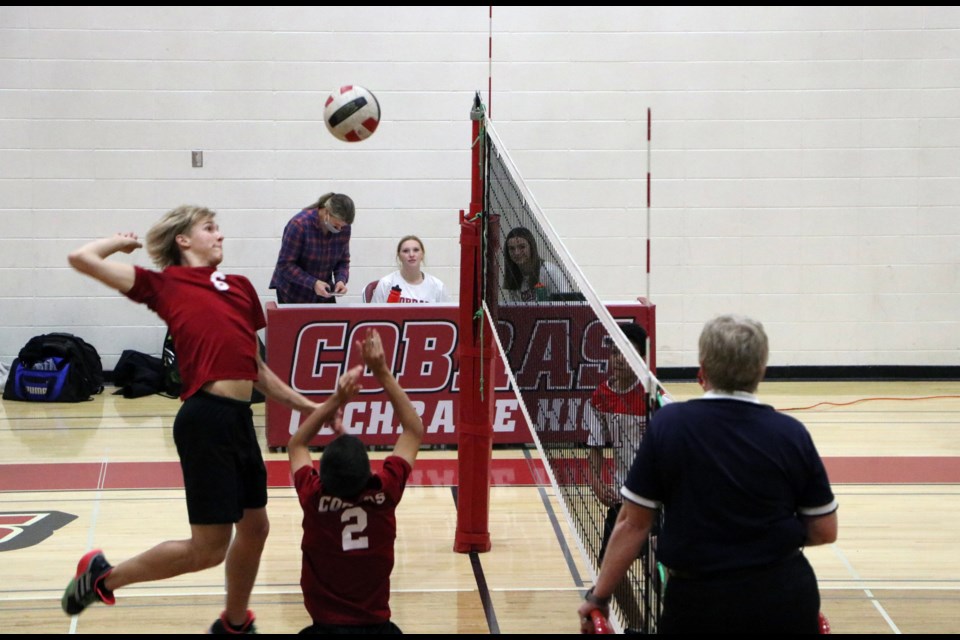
310,346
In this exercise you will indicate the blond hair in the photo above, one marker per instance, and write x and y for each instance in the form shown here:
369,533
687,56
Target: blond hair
162,237
733,353
423,250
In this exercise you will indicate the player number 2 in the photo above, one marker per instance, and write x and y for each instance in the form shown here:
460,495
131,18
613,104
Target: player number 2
356,521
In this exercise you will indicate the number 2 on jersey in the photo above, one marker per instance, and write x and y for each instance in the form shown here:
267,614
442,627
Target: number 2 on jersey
355,520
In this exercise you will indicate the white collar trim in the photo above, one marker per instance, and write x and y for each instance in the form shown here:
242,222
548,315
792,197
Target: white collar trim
714,394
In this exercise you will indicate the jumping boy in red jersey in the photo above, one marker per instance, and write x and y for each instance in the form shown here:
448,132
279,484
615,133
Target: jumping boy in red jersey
214,319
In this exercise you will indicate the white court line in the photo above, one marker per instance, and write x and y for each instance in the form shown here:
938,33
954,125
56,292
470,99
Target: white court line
856,576
94,516
132,592
939,585
291,591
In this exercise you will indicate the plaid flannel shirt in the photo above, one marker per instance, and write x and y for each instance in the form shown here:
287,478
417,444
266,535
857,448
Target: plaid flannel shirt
309,253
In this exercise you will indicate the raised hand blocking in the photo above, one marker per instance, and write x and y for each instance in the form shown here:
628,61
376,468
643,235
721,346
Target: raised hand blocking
372,350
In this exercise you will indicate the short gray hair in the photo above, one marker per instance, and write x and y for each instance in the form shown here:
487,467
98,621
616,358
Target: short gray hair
733,353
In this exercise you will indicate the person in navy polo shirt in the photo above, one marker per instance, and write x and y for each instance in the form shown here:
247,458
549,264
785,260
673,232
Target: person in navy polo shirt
743,491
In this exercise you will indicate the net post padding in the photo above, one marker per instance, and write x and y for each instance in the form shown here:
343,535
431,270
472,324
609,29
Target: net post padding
475,417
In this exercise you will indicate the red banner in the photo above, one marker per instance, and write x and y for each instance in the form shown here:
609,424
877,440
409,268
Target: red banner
310,346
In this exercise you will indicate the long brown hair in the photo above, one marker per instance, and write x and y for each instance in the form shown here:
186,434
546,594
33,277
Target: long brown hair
513,277
339,205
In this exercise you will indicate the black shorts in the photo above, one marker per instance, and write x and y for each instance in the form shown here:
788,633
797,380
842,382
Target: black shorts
223,469
387,628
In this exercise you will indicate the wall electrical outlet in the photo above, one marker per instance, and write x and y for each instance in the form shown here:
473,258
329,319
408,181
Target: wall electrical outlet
197,158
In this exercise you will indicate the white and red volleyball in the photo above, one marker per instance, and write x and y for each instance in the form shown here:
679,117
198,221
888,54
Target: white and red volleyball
351,113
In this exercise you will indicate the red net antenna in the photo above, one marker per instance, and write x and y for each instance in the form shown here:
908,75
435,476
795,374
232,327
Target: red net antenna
475,418
649,129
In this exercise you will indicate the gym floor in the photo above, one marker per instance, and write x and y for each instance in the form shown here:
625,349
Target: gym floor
104,474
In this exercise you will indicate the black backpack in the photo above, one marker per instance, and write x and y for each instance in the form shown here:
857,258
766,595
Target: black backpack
55,367
138,374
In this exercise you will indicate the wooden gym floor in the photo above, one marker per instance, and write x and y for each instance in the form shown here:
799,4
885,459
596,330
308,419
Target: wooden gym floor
104,475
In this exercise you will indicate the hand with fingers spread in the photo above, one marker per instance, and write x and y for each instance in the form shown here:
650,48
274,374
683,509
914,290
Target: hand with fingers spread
373,356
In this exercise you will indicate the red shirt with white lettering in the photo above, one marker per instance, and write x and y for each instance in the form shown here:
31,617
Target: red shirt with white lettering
348,546
213,319
617,419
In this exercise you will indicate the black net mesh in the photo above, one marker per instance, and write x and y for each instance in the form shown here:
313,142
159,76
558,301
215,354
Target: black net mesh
583,388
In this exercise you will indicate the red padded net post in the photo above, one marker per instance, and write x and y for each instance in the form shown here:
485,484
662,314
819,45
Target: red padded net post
475,418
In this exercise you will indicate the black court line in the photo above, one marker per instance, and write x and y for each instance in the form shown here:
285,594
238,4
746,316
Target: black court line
492,625
561,539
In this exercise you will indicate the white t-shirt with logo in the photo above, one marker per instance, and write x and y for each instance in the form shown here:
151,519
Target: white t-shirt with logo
430,289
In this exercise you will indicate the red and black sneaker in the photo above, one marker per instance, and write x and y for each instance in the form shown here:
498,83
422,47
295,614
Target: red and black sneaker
222,625
87,587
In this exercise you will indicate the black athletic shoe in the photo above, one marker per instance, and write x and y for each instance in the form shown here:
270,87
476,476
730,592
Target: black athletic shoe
221,625
87,587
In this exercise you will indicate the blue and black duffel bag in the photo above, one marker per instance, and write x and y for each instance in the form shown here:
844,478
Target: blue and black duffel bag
55,367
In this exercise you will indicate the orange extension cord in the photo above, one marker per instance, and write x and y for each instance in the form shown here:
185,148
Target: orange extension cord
845,404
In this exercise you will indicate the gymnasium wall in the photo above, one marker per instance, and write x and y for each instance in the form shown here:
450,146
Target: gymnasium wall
804,160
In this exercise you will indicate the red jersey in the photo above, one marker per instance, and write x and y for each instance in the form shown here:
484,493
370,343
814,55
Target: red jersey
617,419
213,319
632,402
348,546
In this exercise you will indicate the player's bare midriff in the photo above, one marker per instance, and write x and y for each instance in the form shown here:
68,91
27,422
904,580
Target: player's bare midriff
233,389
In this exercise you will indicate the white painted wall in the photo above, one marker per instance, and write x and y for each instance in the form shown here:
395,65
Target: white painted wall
804,160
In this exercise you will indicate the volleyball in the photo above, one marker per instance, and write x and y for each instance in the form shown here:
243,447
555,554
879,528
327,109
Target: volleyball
351,113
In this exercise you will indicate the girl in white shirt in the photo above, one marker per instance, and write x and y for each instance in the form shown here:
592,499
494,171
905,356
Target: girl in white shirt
526,276
415,285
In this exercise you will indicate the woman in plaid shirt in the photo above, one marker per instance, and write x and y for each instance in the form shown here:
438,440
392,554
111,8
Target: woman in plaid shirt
314,261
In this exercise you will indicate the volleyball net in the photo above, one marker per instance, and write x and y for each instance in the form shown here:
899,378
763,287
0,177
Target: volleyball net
581,374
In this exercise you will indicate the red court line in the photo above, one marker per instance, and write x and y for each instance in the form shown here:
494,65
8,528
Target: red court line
166,475
893,470
433,473
41,477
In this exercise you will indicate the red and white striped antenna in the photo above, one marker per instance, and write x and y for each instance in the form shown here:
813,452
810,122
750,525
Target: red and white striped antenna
490,66
649,128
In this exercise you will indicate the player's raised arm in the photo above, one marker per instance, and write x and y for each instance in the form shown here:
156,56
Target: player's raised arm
330,411
408,444
91,259
269,384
